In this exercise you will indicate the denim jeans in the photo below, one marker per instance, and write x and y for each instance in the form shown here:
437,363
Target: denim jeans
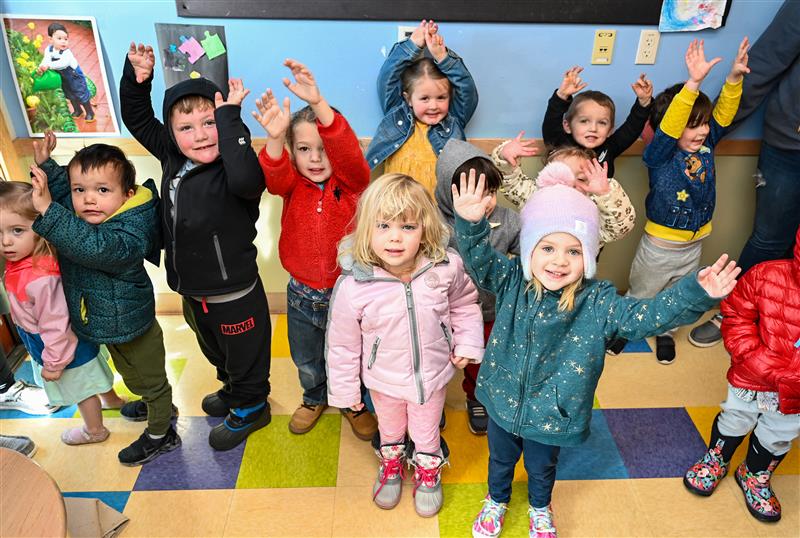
307,318
540,463
777,208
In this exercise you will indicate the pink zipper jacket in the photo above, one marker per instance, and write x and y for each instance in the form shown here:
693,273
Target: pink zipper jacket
399,336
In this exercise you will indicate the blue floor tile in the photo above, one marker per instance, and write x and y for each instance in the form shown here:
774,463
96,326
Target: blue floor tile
596,459
637,346
115,499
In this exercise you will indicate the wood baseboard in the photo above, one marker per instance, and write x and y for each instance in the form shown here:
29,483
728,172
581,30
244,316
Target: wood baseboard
170,303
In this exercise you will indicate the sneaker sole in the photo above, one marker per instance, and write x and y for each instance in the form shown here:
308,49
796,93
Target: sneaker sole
175,415
665,363
753,512
257,425
697,343
162,450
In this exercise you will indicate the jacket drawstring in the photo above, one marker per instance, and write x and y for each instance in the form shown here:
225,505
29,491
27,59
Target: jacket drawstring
205,305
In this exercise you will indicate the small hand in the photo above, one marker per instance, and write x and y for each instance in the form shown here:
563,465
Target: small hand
719,280
418,35
435,43
236,94
571,83
516,148
358,407
43,148
468,199
739,67
305,86
274,119
50,375
41,192
459,362
596,181
643,88
142,59
41,69
696,62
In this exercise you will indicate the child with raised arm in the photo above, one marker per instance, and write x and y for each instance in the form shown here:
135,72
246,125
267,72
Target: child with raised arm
320,179
539,391
680,163
211,187
103,227
403,318
427,97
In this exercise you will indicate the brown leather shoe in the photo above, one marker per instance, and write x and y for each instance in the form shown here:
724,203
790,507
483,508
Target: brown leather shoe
305,417
363,423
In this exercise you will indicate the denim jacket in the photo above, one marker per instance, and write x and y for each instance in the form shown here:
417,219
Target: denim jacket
398,120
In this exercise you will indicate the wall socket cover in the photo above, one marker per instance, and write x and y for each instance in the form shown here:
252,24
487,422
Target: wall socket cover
648,47
404,31
603,48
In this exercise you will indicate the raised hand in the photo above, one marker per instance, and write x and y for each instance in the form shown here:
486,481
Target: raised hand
739,67
719,279
305,86
43,148
571,83
696,63
418,35
41,193
468,200
516,148
142,59
643,88
596,181
236,94
435,42
273,118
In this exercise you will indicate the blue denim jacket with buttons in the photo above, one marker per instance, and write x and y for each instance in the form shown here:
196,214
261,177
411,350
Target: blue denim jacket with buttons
398,121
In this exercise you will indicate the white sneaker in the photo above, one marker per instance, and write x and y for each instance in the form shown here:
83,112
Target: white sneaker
30,399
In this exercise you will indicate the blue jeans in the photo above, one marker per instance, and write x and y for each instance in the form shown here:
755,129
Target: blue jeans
777,203
540,463
307,318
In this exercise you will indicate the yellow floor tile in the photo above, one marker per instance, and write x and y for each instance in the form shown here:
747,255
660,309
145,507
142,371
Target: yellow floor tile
263,512
787,489
280,337
177,513
358,464
355,515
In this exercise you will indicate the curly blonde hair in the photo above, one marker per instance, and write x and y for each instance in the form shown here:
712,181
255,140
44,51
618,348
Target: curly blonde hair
391,197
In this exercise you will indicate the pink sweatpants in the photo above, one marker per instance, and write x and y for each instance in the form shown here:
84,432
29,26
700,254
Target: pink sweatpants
421,421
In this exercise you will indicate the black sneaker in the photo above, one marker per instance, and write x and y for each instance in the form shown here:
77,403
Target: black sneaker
665,349
136,411
237,426
146,449
478,420
213,406
707,334
615,346
442,421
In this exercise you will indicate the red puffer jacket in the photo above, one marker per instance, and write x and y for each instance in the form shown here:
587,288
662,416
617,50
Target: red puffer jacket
761,330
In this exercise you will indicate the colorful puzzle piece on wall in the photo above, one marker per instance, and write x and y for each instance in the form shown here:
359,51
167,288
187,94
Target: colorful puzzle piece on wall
191,48
213,46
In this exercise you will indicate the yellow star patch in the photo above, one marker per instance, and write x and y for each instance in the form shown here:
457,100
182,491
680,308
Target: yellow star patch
683,195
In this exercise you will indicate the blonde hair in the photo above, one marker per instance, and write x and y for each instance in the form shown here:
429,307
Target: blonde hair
391,197
567,300
15,197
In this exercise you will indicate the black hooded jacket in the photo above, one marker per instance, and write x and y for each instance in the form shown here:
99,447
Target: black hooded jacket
209,244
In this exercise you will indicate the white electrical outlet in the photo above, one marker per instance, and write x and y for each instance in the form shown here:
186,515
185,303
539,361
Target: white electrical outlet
648,47
603,48
404,32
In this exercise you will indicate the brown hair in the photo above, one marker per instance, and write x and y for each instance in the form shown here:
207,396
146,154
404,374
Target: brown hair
700,114
305,114
15,197
423,67
97,156
481,165
562,152
590,95
189,103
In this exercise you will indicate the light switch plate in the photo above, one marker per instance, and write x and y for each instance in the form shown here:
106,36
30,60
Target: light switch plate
648,47
603,48
404,32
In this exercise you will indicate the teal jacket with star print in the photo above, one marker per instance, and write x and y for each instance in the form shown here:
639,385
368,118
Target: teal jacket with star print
541,366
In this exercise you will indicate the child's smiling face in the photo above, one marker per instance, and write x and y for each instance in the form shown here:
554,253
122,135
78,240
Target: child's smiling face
591,124
557,260
693,138
309,153
196,134
60,40
429,99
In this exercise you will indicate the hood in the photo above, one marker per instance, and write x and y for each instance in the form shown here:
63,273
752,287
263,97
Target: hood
796,261
454,154
194,86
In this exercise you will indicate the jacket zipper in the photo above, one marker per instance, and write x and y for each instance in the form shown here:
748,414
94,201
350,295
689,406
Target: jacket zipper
374,354
175,222
221,262
447,335
412,321
515,428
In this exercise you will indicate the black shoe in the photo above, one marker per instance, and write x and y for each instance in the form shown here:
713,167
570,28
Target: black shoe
213,405
478,420
615,346
136,411
146,449
237,426
87,106
665,349
442,421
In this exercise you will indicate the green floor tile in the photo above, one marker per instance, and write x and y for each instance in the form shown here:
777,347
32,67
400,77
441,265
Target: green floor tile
596,404
462,502
276,458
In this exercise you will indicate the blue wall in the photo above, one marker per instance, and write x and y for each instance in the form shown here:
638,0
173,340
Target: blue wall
516,67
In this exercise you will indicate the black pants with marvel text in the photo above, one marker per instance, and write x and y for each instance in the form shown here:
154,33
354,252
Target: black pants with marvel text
236,338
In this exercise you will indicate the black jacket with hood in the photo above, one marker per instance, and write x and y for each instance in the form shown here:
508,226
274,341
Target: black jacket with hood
209,243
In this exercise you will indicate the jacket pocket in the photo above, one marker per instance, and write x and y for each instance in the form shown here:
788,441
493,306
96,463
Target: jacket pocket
220,261
545,413
447,335
374,354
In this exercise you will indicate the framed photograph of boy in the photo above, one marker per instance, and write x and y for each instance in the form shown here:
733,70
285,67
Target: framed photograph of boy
59,74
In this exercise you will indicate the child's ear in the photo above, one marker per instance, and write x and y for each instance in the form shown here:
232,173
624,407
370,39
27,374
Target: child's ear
407,98
567,128
130,193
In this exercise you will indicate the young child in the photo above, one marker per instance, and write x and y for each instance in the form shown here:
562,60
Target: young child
320,182
58,57
211,187
457,157
104,226
617,215
403,317
546,350
587,119
71,370
760,326
680,162
425,102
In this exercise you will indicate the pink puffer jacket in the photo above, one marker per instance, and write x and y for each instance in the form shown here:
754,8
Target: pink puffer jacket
399,336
